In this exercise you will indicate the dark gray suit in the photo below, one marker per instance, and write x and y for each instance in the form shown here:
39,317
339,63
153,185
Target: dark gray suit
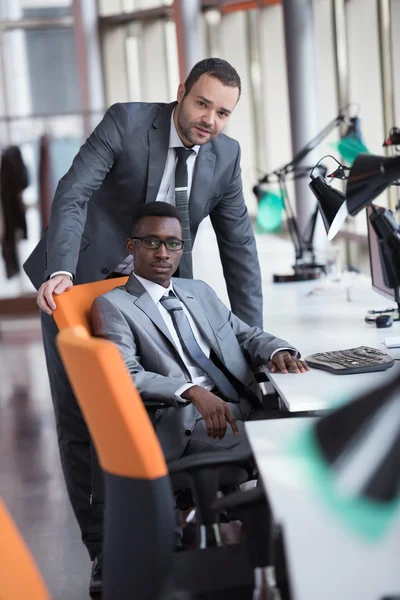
118,169
128,316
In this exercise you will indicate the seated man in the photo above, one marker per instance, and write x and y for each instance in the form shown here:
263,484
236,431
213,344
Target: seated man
183,346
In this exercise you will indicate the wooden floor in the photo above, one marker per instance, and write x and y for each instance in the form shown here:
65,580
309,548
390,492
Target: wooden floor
31,480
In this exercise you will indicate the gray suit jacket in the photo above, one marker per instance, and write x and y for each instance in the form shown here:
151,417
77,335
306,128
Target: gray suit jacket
119,168
129,317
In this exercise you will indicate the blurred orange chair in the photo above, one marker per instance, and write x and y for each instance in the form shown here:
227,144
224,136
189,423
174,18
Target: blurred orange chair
73,307
19,576
138,552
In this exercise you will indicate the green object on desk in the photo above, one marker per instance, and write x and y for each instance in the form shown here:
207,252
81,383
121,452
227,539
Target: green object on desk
270,210
349,147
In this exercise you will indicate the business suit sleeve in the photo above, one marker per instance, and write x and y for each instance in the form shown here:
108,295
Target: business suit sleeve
108,322
238,251
89,168
257,345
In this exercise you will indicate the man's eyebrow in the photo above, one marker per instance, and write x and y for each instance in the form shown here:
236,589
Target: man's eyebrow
209,102
172,236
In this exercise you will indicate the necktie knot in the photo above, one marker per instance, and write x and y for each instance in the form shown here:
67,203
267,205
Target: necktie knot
171,302
183,153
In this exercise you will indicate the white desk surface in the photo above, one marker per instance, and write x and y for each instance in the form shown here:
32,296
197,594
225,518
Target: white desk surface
320,316
326,559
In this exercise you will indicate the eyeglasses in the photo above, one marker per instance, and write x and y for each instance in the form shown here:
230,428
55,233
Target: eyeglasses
152,243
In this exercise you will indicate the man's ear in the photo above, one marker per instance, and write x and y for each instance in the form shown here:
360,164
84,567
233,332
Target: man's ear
129,246
181,92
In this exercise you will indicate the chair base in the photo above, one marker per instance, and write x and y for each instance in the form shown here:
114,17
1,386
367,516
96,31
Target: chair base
220,570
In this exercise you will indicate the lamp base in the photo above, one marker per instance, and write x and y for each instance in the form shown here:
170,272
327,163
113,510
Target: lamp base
301,273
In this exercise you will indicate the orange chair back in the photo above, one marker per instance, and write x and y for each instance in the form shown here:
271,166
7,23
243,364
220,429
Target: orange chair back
123,434
20,578
73,307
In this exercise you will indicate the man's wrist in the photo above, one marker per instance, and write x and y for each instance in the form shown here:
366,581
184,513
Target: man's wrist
61,273
190,393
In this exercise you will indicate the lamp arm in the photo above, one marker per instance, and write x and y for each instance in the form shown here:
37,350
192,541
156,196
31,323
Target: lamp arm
291,220
289,167
315,141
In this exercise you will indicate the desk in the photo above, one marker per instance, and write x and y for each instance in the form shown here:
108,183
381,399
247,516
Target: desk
326,560
315,319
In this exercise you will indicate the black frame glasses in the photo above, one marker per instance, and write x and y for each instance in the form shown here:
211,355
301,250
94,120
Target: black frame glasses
158,242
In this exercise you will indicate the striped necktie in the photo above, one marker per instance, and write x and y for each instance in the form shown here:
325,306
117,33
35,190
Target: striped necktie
186,336
182,205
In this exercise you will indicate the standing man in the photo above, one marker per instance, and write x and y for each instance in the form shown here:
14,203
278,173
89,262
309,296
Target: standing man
142,152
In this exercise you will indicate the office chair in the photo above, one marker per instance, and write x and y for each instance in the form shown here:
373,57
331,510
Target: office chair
19,575
138,551
73,308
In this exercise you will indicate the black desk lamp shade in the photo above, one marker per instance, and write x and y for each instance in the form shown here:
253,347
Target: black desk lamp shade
331,204
369,176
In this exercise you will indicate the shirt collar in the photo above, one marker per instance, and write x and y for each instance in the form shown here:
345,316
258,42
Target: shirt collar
174,139
154,290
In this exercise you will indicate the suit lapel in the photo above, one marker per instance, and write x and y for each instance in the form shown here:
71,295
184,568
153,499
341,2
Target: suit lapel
158,150
196,310
203,323
202,181
146,304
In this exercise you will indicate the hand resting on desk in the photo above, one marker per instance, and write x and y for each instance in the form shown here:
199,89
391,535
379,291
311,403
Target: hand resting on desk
284,362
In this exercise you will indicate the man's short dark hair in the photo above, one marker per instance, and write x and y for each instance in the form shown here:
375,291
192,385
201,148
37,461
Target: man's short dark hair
216,67
154,209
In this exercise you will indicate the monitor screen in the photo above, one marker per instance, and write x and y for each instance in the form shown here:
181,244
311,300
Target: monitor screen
378,283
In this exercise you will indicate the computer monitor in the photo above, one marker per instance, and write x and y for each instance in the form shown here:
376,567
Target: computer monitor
378,283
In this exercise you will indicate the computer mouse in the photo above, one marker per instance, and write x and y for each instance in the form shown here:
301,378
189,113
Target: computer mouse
383,321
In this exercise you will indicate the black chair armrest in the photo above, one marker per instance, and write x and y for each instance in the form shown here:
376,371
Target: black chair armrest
210,459
260,376
246,499
150,405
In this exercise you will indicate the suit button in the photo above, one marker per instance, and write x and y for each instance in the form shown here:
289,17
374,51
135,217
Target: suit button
188,432
105,270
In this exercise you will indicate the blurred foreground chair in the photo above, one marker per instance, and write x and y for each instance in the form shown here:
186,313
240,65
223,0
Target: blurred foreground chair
139,515
73,308
139,511
20,578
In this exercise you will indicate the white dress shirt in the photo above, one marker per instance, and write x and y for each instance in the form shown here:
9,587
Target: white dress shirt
198,377
166,193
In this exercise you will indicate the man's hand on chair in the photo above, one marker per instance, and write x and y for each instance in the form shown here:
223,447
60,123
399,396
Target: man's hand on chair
284,362
214,410
55,285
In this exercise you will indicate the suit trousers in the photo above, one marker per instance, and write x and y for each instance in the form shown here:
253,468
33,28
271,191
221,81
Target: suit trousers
243,411
74,443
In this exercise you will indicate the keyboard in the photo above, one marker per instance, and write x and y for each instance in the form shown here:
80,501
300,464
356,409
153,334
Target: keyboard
353,360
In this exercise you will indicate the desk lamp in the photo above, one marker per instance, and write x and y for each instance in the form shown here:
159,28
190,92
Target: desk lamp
305,267
368,177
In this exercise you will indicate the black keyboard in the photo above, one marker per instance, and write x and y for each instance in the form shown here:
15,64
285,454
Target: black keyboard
353,360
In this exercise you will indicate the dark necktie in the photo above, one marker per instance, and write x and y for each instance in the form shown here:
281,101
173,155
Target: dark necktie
189,343
182,205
